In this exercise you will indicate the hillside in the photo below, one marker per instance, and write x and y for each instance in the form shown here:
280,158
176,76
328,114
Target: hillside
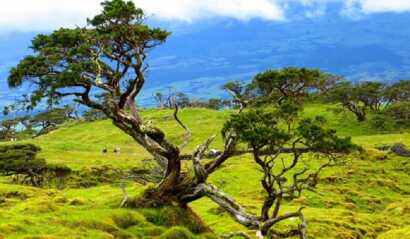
369,197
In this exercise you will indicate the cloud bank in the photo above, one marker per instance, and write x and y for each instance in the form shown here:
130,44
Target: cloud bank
40,15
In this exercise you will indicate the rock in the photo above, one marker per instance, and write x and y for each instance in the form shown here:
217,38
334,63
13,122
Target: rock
401,150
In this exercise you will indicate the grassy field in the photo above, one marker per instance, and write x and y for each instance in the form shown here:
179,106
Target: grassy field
366,198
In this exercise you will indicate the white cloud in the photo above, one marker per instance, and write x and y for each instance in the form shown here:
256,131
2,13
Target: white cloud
27,15
189,10
31,15
371,6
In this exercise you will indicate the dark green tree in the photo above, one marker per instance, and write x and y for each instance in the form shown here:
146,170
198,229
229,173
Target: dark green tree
49,120
280,153
359,98
93,115
22,160
399,113
102,66
292,83
215,104
8,129
398,92
240,93
347,94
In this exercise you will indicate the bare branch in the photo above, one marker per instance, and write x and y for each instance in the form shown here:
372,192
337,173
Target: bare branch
188,132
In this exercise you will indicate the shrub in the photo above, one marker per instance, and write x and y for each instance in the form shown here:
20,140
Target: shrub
177,233
169,216
381,122
126,219
400,113
21,159
21,162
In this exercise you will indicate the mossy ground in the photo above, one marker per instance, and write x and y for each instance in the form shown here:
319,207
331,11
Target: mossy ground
369,197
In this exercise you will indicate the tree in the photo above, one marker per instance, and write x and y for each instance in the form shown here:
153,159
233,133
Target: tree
279,153
291,83
371,94
20,160
215,104
400,113
240,93
93,115
160,99
8,129
102,66
49,120
360,98
347,94
108,58
397,92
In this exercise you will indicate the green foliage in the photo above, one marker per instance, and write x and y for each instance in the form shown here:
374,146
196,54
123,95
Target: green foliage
258,128
371,96
398,92
21,160
291,83
8,129
93,115
127,219
76,62
321,139
400,114
381,121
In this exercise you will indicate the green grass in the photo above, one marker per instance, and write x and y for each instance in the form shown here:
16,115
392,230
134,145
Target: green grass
366,198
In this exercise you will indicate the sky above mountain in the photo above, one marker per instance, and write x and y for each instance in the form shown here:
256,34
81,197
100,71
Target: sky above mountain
29,15
214,41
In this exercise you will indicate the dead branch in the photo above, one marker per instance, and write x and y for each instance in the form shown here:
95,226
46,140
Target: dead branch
188,132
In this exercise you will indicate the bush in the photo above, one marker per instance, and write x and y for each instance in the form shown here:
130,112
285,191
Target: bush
21,159
382,122
177,233
21,162
399,113
169,216
126,219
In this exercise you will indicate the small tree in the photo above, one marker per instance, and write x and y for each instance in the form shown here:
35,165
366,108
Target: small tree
215,104
240,93
8,129
93,115
280,154
371,94
49,120
397,92
399,113
292,83
348,95
363,97
22,160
